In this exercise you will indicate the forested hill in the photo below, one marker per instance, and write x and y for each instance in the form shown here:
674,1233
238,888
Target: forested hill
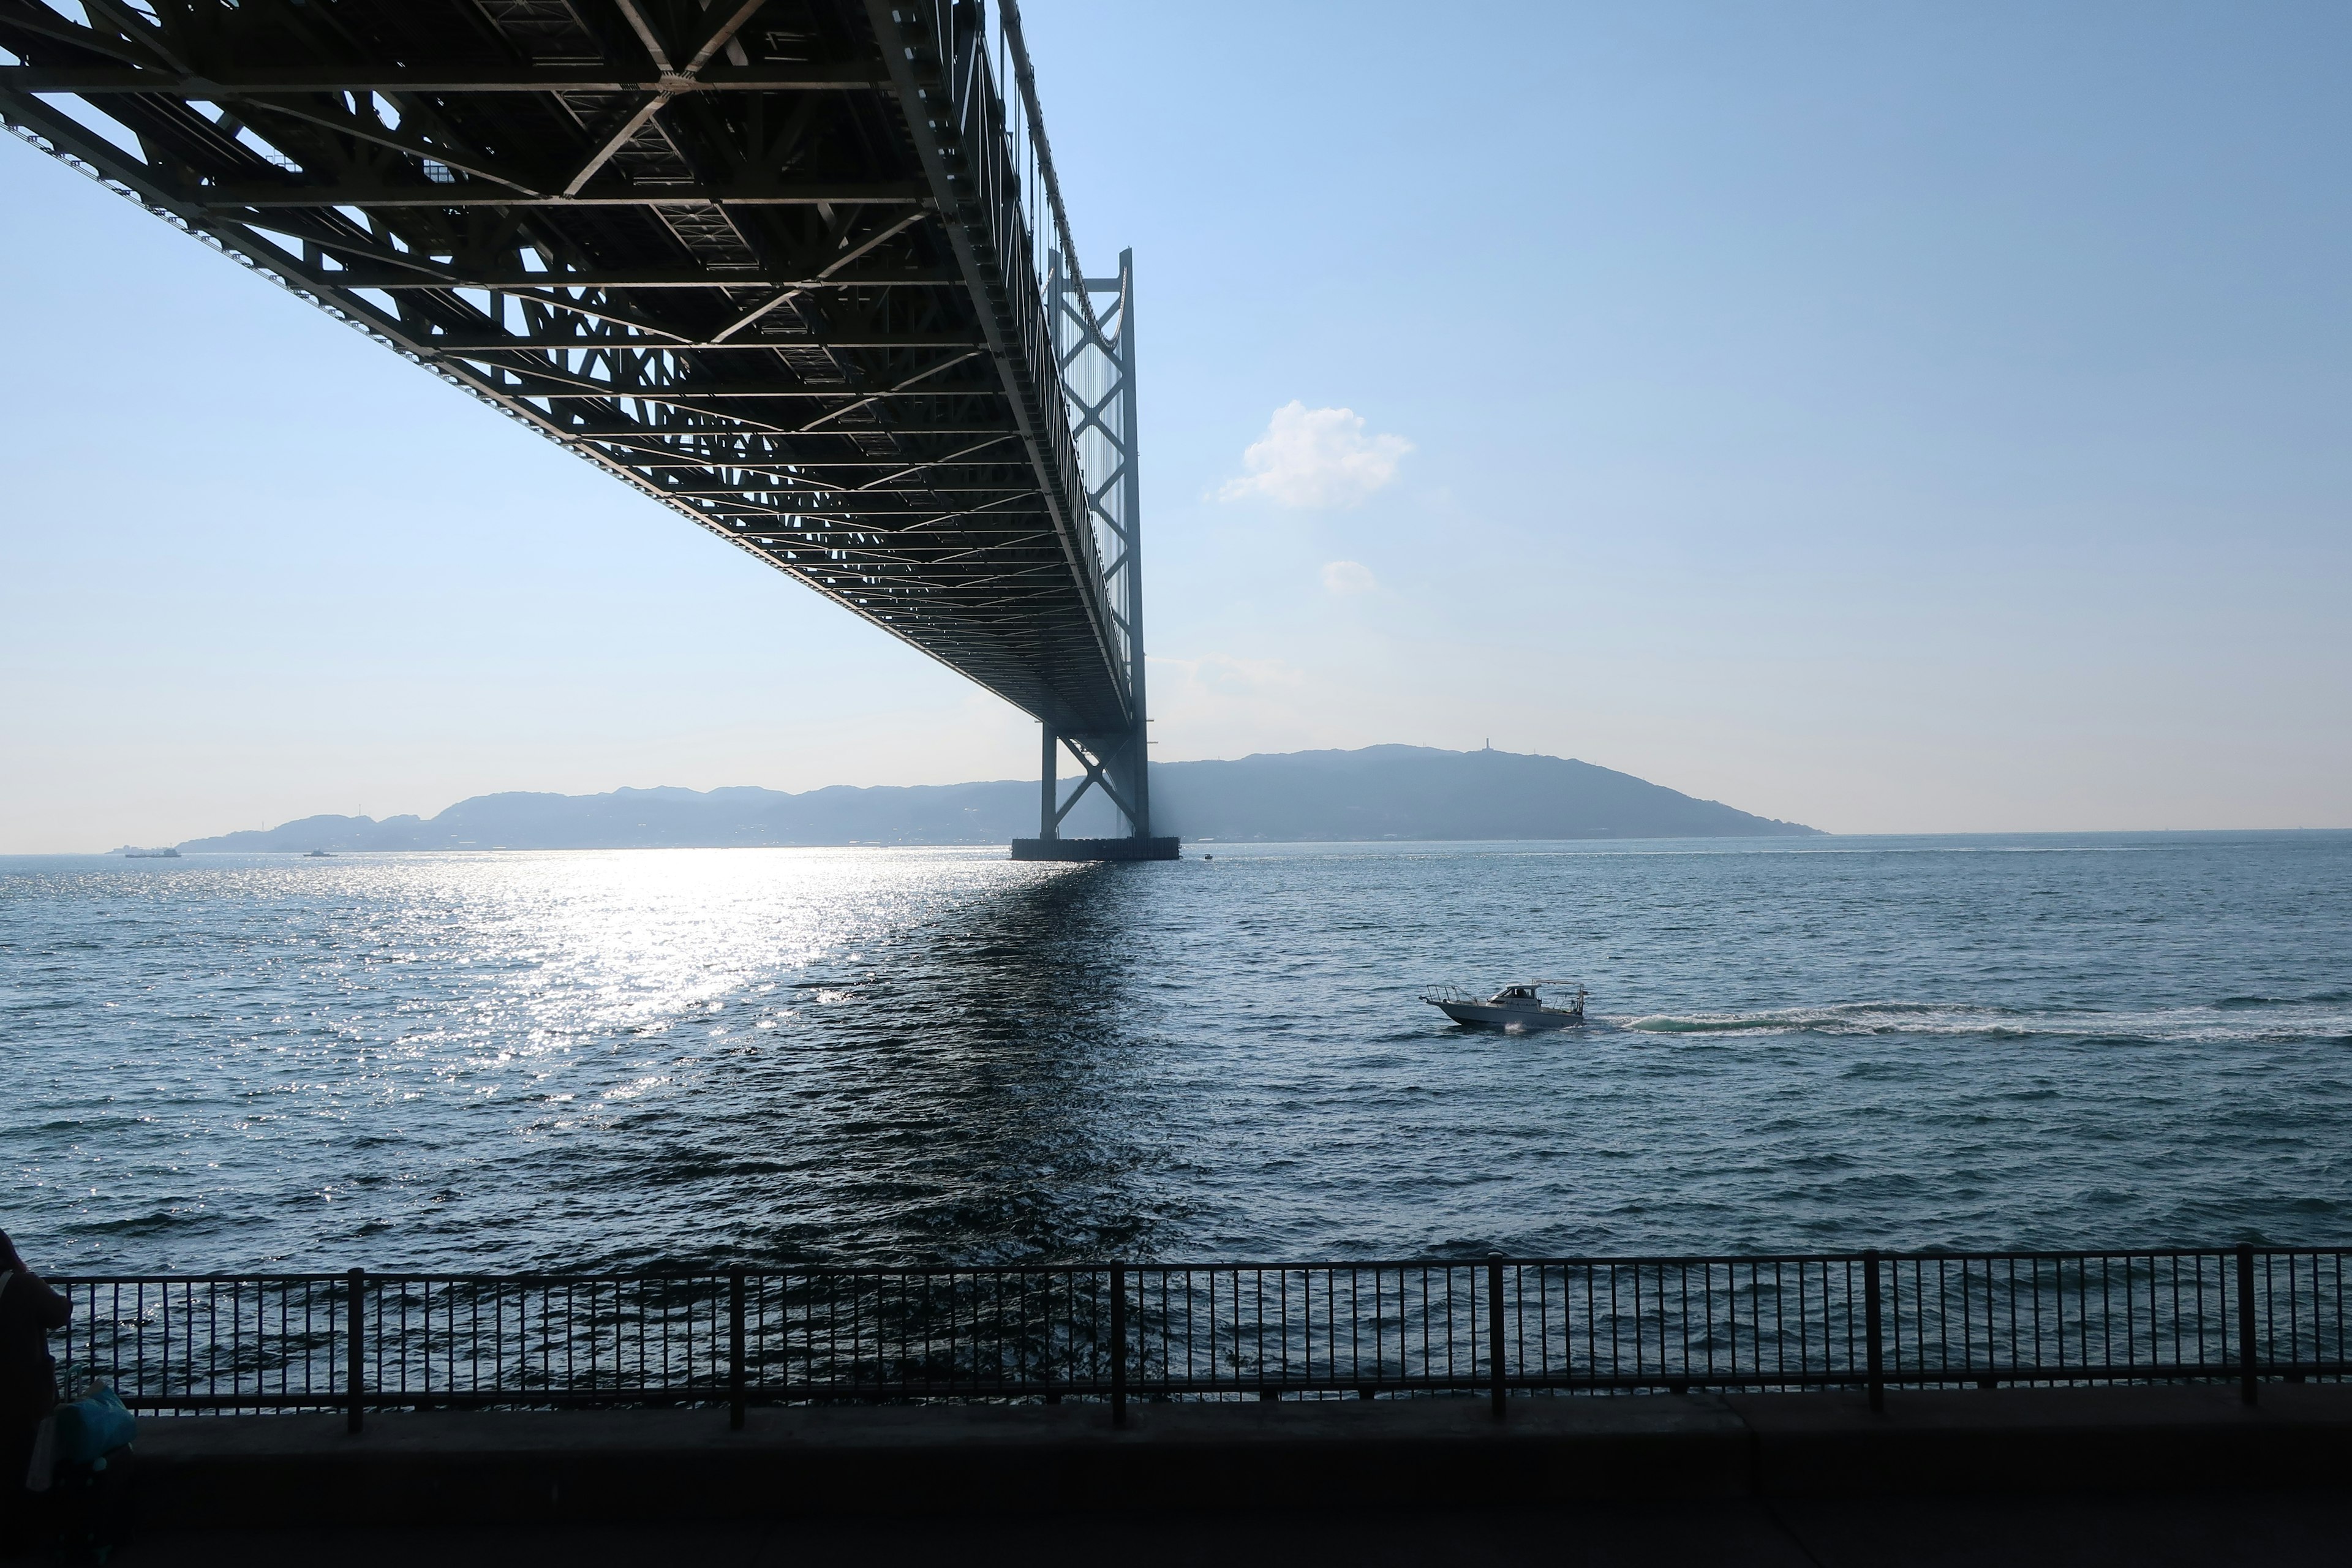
1419,792
1378,793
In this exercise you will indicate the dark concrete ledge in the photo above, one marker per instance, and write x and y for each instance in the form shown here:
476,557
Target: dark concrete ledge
454,1468
2044,1439
1097,848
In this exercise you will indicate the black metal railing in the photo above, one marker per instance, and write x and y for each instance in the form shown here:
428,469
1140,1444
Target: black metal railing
1866,1321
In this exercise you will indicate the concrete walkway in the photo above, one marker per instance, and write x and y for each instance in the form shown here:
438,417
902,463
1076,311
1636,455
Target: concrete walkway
651,1466
2216,1529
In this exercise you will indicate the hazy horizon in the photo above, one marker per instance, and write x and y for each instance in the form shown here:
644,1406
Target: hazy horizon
432,813
1789,846
1894,421
1090,818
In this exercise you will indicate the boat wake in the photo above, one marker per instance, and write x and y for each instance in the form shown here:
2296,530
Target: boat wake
2229,1019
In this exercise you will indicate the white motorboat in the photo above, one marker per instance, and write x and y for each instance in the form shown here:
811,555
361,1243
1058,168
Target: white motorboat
1519,1007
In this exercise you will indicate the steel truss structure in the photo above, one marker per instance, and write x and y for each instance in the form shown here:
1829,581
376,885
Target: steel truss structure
775,263
1094,348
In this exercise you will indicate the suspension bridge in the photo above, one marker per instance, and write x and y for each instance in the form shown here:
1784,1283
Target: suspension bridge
798,269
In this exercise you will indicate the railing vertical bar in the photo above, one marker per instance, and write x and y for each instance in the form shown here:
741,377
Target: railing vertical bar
354,1352
1117,1344
1355,1322
737,1373
2249,1373
1495,1329
1871,1312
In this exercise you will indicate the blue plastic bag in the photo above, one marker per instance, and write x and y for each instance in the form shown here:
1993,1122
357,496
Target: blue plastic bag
92,1427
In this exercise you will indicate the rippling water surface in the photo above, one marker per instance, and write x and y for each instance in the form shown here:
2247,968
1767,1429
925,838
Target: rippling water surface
508,1061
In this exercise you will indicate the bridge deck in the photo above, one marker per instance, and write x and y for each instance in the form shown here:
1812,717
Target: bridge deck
708,248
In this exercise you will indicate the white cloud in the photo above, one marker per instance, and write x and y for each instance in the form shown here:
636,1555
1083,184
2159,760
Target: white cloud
1346,577
1316,458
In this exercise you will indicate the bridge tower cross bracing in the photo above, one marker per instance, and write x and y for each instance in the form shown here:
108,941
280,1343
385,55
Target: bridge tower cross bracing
1094,343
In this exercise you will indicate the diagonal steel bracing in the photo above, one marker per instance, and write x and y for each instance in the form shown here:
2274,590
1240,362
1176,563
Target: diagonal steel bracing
1094,347
776,263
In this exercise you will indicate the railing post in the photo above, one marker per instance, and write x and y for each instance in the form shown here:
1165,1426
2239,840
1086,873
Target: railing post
1118,1344
1871,1330
735,1399
1494,1368
2248,1385
354,1351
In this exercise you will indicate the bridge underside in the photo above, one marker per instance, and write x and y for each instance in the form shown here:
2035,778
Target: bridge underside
766,260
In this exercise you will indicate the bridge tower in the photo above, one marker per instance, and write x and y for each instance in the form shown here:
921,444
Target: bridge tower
1093,326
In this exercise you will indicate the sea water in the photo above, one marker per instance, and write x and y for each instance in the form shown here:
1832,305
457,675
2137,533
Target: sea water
601,1059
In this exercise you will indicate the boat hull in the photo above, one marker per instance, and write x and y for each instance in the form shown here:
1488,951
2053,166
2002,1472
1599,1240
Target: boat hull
1481,1013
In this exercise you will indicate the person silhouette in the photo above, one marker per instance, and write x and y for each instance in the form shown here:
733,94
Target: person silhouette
28,1381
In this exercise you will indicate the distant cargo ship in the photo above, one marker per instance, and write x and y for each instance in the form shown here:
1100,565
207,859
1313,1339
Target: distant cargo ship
166,854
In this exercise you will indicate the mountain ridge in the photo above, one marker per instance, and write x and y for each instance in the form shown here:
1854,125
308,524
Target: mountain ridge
1375,792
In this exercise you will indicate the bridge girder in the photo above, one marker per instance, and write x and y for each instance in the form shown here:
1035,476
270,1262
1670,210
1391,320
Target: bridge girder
769,261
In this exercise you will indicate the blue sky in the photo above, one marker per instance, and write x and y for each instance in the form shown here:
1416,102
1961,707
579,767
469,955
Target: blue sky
1892,418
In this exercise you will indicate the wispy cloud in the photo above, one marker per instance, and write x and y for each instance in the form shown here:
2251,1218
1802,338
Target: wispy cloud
1224,705
1346,577
1226,675
1316,458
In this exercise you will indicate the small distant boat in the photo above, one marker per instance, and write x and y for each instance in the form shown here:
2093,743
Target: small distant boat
320,855
166,854
1519,1006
